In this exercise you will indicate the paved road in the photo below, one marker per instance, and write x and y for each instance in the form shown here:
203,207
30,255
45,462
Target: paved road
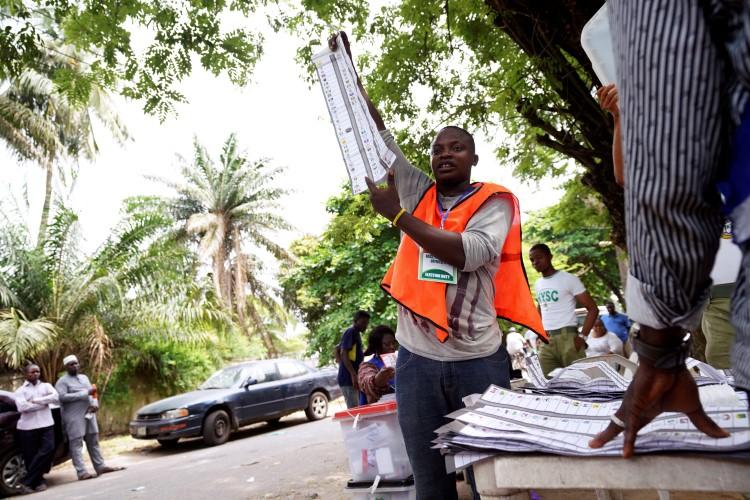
295,459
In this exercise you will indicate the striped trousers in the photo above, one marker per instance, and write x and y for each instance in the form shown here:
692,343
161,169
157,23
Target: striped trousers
681,93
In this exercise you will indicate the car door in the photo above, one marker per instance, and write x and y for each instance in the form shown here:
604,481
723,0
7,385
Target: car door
297,384
264,398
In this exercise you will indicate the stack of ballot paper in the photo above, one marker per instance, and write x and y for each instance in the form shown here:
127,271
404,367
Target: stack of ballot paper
501,420
505,421
597,380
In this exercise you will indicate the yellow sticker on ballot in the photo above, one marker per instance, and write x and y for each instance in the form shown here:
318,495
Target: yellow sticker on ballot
433,269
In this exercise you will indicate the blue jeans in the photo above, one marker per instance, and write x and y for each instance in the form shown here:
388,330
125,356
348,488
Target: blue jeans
351,396
428,390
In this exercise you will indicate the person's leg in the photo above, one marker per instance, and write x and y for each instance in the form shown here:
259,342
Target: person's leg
351,396
95,452
43,442
46,451
719,333
27,441
472,377
568,351
670,84
76,455
548,356
422,406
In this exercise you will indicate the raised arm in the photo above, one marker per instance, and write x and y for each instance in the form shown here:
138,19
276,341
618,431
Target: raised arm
445,245
608,100
376,116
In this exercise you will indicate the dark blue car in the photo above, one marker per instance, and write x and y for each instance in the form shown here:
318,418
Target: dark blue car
236,396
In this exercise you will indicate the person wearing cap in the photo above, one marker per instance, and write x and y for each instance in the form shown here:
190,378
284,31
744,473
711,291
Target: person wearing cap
79,407
35,429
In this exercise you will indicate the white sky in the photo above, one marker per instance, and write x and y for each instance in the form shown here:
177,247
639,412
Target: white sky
275,116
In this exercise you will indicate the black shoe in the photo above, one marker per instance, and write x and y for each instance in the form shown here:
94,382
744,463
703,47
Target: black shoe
41,487
25,490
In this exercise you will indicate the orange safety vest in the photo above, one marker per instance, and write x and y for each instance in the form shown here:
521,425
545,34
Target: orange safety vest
426,299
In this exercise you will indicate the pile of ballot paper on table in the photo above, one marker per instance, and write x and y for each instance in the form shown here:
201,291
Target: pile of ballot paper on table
548,416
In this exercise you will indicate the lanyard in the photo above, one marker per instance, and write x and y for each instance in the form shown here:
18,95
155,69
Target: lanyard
445,213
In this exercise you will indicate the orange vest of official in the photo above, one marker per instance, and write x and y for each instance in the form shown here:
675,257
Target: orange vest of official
513,299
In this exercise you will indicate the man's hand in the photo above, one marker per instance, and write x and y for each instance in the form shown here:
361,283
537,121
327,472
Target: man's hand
383,376
579,342
333,43
652,392
385,201
608,100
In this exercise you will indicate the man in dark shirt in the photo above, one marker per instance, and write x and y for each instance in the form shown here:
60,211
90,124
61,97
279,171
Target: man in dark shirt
350,350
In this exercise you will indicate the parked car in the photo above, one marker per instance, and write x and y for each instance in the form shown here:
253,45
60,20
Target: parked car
236,396
12,468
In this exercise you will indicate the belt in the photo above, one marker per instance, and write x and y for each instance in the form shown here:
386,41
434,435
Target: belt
563,330
723,291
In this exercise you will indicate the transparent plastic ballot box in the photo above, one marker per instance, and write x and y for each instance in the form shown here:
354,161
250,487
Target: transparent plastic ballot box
374,443
385,490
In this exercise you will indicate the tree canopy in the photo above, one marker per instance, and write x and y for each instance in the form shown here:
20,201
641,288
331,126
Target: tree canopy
515,70
339,273
142,48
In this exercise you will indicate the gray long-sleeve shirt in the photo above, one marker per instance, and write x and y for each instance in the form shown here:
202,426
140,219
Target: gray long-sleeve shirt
75,403
471,311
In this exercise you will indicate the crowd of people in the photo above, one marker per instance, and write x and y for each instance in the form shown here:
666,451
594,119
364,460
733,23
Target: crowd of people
77,399
681,149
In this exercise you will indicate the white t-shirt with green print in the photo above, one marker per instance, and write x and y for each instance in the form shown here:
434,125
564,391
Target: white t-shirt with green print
556,296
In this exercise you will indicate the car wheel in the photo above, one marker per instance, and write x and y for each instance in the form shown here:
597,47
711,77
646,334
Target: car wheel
216,428
317,408
12,470
168,444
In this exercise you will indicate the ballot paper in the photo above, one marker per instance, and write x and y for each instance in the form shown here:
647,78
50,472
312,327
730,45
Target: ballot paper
364,151
389,359
596,40
597,380
506,421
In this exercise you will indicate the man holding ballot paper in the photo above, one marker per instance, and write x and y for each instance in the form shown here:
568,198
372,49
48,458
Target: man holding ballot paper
458,268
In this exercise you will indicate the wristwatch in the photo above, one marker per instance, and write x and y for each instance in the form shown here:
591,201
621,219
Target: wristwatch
663,358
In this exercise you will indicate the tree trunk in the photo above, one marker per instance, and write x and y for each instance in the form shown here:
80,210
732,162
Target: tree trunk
549,33
240,281
271,349
222,276
44,221
218,261
50,364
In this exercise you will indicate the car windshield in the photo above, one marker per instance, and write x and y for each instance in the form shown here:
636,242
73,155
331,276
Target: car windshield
225,379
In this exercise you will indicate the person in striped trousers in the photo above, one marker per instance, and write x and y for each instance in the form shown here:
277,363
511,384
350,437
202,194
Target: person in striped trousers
683,70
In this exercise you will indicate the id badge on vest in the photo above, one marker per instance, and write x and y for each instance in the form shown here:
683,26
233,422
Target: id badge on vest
433,269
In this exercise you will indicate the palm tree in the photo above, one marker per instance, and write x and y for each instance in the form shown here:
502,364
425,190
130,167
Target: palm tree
42,124
232,207
54,300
